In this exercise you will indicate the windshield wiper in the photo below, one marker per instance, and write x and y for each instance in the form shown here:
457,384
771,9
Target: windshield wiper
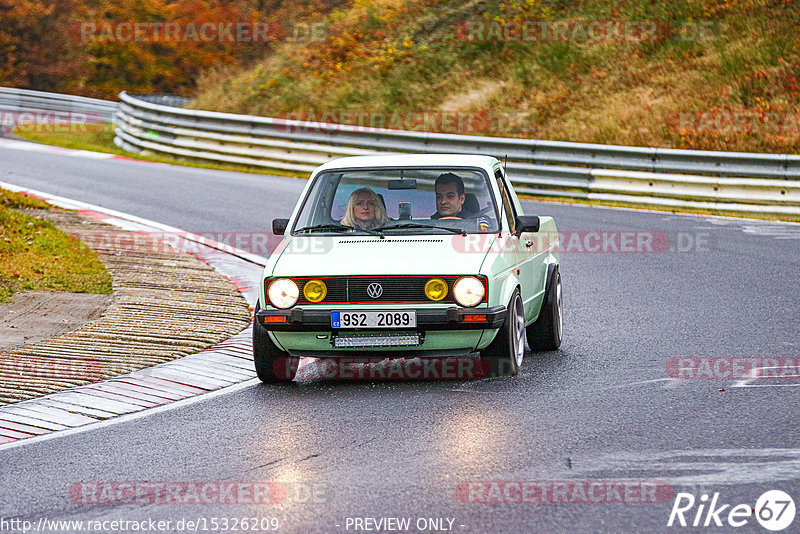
418,225
335,226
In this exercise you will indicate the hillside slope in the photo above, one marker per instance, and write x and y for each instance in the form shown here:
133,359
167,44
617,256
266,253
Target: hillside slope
706,74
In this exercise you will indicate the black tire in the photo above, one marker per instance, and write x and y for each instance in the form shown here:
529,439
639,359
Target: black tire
504,354
272,364
547,331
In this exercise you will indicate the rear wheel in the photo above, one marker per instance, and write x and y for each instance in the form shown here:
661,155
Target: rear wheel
504,355
546,332
272,364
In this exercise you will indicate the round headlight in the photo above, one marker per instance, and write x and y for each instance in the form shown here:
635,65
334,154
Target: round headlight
468,291
436,289
283,293
315,290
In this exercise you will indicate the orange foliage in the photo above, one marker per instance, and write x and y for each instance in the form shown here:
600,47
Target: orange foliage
32,52
155,63
93,47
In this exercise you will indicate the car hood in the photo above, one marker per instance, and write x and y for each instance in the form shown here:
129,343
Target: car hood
344,255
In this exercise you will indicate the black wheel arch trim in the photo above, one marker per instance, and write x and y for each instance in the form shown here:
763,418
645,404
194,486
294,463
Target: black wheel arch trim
551,268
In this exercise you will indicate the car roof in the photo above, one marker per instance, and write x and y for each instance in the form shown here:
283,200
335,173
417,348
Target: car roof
410,160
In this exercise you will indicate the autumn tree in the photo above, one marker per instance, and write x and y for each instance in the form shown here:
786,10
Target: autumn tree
35,51
88,46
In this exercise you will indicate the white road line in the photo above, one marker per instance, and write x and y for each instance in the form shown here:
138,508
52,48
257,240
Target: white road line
131,417
46,413
696,466
86,396
76,408
767,386
639,383
26,146
39,423
127,393
770,229
112,402
759,377
214,371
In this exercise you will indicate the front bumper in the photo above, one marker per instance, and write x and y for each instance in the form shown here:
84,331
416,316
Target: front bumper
453,318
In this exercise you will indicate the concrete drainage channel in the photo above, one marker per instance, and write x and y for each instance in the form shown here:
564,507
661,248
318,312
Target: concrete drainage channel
228,363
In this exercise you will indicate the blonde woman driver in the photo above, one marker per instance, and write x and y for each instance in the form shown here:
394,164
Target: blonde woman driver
364,210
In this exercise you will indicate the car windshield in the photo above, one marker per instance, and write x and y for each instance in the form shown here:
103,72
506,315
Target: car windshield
398,201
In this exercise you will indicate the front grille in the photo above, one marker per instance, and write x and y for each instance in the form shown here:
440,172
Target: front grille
396,289
353,289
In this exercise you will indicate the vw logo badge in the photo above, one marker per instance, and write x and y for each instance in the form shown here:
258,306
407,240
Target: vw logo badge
375,290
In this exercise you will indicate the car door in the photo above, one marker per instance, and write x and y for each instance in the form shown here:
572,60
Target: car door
508,243
529,254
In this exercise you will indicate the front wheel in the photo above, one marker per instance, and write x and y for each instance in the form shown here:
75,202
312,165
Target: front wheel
504,354
272,364
546,332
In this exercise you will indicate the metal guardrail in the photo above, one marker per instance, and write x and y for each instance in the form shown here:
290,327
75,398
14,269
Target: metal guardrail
27,101
744,182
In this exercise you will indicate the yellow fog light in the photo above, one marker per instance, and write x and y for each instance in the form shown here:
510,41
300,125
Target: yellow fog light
315,290
436,289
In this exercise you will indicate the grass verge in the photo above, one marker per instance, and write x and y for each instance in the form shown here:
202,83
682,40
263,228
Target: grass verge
35,255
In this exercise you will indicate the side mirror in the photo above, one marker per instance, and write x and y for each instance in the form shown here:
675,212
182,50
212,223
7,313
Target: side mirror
279,226
526,223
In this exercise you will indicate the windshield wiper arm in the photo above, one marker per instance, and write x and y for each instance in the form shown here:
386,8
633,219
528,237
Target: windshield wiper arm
335,226
418,225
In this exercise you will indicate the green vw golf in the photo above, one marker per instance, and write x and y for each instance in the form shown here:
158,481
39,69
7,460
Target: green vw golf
408,256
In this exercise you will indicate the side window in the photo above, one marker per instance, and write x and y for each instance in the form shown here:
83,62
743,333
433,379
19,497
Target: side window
508,209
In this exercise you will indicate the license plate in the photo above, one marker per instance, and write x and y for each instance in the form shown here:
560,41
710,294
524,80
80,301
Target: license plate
374,319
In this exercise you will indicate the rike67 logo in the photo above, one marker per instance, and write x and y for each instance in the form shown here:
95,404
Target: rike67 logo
774,510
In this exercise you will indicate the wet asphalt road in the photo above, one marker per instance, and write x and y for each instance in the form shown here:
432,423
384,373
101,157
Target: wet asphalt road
602,408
